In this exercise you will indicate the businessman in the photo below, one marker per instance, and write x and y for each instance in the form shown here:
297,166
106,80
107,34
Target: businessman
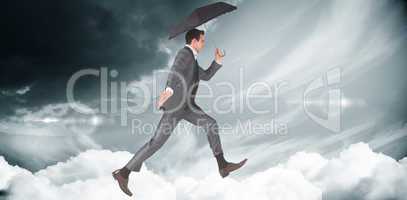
178,102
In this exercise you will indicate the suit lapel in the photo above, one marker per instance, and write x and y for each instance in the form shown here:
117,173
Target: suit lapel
195,67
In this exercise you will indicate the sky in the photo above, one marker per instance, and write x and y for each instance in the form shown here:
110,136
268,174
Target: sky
338,67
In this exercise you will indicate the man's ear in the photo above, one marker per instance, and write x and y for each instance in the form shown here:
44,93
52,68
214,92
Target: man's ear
192,43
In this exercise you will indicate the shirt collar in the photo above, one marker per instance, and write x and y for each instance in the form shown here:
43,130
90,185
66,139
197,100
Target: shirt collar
193,51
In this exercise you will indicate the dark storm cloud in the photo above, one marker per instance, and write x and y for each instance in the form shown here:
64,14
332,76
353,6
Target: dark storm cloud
44,42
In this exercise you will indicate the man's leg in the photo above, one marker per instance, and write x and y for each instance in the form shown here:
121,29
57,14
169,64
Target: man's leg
166,125
197,116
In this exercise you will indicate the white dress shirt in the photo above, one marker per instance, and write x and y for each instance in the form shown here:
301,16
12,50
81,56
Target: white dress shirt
193,51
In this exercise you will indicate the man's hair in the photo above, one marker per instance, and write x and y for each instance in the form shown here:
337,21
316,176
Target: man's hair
193,33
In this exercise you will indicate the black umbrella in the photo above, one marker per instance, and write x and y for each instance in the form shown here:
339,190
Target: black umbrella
200,16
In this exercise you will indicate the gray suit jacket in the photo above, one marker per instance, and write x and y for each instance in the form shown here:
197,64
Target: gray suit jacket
184,79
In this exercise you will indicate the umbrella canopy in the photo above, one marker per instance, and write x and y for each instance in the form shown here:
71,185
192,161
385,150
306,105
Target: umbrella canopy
199,16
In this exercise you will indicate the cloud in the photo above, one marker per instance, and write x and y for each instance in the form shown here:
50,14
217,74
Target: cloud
86,176
123,35
35,138
23,90
17,92
356,173
50,120
290,35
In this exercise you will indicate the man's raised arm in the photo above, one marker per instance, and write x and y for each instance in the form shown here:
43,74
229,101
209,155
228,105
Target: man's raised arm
213,68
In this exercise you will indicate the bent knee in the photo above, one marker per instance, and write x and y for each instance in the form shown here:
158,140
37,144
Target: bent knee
212,122
211,125
207,122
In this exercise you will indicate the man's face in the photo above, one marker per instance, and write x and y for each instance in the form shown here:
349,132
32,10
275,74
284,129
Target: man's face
199,44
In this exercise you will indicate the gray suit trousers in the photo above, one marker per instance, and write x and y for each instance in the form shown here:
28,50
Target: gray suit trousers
167,124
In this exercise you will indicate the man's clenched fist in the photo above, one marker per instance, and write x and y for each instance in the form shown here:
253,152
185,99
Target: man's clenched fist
219,55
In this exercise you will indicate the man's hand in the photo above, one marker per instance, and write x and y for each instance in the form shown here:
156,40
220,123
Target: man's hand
219,55
167,93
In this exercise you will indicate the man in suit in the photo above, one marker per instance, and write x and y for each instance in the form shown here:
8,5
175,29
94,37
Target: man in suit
178,103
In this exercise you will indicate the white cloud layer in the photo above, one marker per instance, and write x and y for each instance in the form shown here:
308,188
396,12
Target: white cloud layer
356,173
